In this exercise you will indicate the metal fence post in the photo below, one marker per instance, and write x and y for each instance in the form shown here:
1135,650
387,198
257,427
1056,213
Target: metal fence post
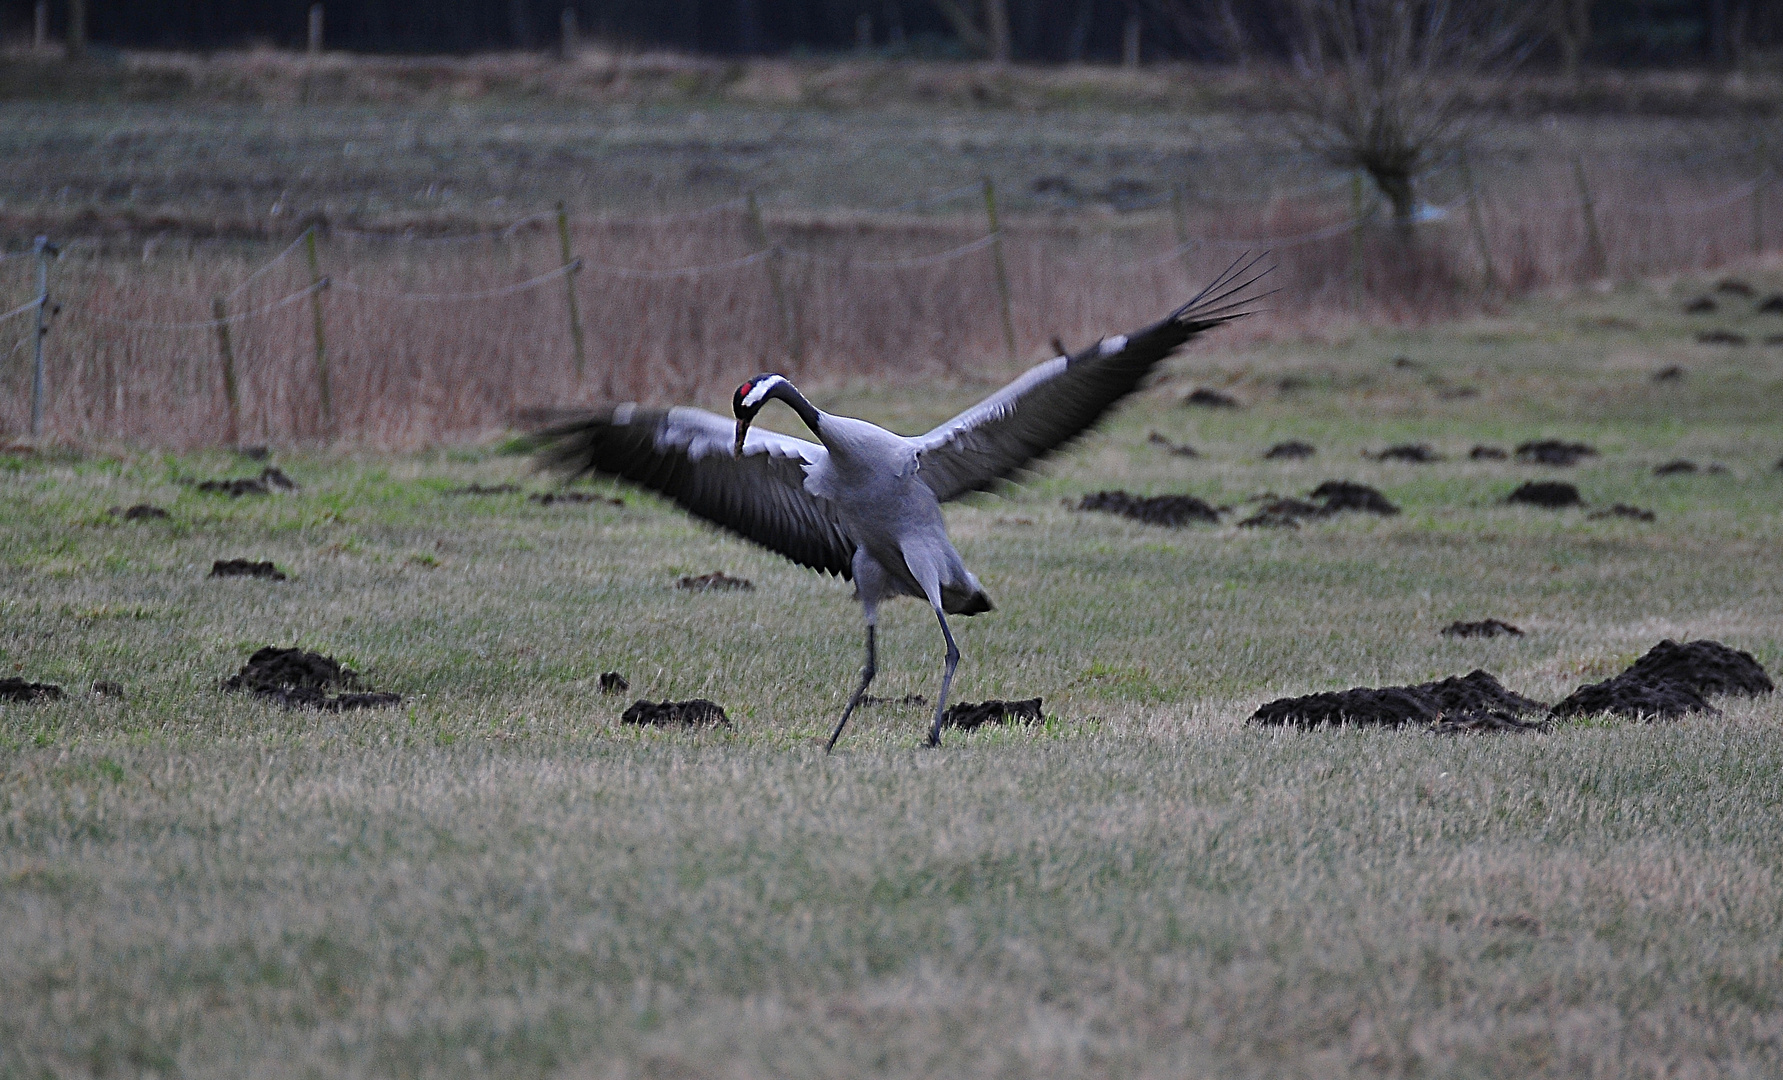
231,434
574,266
44,250
318,283
789,322
990,209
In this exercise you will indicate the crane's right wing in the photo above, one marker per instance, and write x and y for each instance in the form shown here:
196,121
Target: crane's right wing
686,454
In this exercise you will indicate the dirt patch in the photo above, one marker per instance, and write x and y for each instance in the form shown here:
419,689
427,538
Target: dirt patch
1416,453
1735,287
298,679
1670,681
245,568
1293,450
1679,467
1721,337
1671,373
1771,305
716,581
1702,305
1170,510
139,512
1339,496
1547,494
1179,449
967,716
1405,363
1621,510
613,683
1474,702
16,689
685,714
1554,452
550,498
1210,399
485,489
908,701
270,479
1487,628
1487,453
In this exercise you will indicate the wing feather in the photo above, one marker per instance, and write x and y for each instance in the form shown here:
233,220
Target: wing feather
686,455
1054,403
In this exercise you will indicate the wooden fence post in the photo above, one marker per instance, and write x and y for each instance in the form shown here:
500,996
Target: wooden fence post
789,322
1594,250
319,283
44,250
1002,271
232,433
574,266
1356,250
1478,221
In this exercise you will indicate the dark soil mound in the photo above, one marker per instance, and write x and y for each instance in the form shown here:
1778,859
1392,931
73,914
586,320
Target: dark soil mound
245,568
1720,337
1416,453
1674,468
967,716
486,489
269,479
717,580
1293,450
1702,305
548,498
1475,702
1548,494
1671,373
696,713
1620,510
1404,362
1171,510
1554,452
1735,287
1179,449
1484,628
908,701
1773,339
298,679
1671,680
139,512
1210,399
1487,453
613,683
15,689
1338,496
1771,305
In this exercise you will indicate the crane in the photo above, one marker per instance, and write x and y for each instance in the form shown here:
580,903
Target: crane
864,503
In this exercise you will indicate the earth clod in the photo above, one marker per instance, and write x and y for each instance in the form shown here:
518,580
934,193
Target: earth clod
686,714
1547,494
1210,399
1734,287
1721,337
967,716
298,679
1675,468
246,568
1474,702
16,689
1771,305
1486,628
1179,449
1702,305
269,479
716,581
1554,452
1487,453
1170,510
612,682
139,512
1669,373
1338,496
1415,453
1292,450
1670,681
1621,510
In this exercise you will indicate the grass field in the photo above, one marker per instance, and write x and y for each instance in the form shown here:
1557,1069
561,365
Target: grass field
499,879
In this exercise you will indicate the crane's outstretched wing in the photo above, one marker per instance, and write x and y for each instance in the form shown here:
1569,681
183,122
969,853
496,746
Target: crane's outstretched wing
1055,402
686,455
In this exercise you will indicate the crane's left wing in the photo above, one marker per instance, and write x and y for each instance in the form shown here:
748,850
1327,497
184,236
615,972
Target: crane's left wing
1054,403
687,455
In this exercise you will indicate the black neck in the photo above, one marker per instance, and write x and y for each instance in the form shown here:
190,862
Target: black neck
789,393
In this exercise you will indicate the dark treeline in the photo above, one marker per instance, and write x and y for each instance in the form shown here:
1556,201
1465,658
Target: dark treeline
1623,32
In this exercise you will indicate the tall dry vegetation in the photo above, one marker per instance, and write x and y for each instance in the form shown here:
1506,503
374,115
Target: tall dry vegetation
407,368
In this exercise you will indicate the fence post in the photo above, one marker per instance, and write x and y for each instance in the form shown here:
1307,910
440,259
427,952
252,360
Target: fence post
1356,238
574,266
319,283
232,433
1478,222
990,209
44,250
1600,263
789,322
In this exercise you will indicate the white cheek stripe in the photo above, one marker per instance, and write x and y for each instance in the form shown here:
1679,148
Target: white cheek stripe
760,390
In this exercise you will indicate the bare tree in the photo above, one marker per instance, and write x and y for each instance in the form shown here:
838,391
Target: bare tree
992,38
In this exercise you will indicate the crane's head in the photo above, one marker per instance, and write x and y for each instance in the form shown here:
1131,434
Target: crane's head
749,399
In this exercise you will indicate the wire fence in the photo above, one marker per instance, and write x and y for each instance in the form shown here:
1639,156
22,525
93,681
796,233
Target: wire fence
401,340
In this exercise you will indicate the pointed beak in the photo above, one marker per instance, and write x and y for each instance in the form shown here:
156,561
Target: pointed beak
742,430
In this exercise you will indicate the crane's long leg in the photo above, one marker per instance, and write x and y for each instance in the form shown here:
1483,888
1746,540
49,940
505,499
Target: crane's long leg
859,691
953,661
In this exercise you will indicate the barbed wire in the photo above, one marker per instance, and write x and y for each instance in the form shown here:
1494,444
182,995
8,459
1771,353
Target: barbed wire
268,265
911,263
27,306
201,324
495,232
679,271
478,294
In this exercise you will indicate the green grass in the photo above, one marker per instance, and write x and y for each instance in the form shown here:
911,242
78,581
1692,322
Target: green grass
499,879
